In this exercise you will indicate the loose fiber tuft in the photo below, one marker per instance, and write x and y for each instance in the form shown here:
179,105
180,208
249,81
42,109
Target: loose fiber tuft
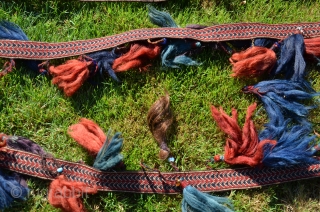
159,121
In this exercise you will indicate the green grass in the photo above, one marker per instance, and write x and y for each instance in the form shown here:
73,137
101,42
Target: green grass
31,106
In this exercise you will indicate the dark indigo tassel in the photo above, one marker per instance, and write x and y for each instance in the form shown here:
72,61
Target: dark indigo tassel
264,42
291,60
104,60
109,155
294,146
10,190
197,201
286,94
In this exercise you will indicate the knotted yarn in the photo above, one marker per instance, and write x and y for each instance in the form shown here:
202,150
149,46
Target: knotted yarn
67,195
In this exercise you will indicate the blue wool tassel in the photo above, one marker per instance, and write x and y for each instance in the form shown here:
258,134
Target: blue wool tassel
293,147
10,190
161,19
104,60
173,53
291,58
264,42
11,31
286,94
109,155
197,201
276,124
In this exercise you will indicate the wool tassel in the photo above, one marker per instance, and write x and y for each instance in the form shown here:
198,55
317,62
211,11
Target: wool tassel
294,146
139,56
253,62
175,53
23,144
159,120
197,201
286,94
66,195
291,60
11,31
88,134
159,18
11,189
242,146
104,60
71,75
312,47
109,155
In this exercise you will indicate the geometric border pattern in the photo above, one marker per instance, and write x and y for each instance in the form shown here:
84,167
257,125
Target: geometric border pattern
238,31
152,182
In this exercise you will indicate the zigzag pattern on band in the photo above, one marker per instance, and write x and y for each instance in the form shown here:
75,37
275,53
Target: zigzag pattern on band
153,182
239,31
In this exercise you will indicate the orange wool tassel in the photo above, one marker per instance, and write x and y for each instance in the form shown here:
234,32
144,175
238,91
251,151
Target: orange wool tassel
88,134
139,56
66,195
71,75
242,146
253,62
312,47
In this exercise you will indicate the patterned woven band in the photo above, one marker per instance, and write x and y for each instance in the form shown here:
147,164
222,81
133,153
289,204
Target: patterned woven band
239,31
152,182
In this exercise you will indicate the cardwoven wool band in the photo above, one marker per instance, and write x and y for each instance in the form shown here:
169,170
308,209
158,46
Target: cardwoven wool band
152,182
240,31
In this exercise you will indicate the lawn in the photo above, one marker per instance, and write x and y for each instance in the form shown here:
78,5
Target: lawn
31,106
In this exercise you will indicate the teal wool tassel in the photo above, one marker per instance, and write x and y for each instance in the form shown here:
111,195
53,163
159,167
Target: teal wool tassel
109,155
161,19
197,201
174,53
